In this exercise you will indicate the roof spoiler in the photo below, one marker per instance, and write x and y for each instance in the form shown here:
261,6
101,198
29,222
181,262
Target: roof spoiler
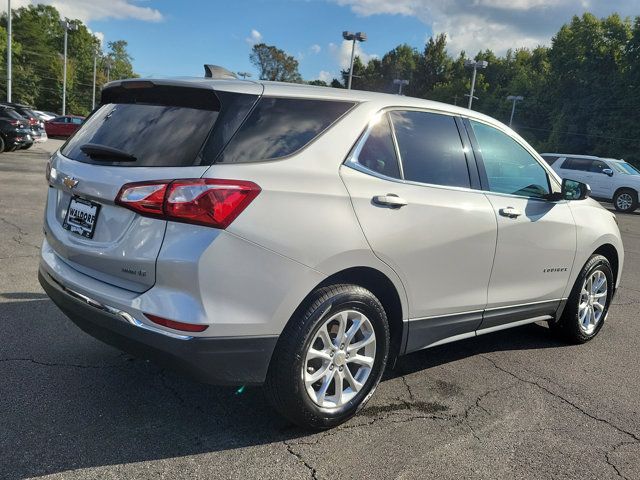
215,71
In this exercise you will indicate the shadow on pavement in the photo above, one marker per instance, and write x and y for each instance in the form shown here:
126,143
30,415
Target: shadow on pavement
70,402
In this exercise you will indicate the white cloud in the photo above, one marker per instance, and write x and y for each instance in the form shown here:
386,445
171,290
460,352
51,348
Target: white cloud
342,53
325,76
315,48
254,37
474,25
88,10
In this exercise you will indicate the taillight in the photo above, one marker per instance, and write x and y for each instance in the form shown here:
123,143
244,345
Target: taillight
14,122
182,326
202,201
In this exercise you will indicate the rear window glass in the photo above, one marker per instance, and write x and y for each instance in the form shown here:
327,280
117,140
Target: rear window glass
278,127
378,153
583,164
161,126
550,159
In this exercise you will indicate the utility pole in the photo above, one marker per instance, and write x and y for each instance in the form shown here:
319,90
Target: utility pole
353,37
67,27
475,66
108,65
455,100
93,98
9,79
515,99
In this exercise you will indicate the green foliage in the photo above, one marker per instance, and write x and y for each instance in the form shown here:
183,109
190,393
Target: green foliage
274,64
37,46
580,94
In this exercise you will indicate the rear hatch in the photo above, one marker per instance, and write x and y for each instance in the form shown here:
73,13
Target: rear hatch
143,131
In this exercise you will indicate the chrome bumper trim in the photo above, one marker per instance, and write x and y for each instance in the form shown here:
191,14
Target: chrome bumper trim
121,314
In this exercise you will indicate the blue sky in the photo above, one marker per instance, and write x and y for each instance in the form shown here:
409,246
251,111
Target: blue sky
196,32
176,37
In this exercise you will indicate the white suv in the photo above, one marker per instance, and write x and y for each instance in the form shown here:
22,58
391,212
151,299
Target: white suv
302,237
610,180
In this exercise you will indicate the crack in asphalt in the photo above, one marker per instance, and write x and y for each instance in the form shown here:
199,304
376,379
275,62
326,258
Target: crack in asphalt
21,233
52,364
636,438
613,465
298,456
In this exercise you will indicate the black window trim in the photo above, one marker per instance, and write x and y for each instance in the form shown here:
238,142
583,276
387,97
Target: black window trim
354,104
352,162
483,173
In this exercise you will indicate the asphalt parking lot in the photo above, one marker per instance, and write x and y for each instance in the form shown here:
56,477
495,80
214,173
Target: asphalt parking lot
515,404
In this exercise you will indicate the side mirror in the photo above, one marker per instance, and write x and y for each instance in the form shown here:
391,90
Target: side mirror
574,190
608,172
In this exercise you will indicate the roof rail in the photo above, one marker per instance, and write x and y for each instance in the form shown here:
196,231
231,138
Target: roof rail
215,71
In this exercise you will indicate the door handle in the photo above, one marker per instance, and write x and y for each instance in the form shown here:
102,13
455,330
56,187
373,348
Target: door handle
510,212
390,200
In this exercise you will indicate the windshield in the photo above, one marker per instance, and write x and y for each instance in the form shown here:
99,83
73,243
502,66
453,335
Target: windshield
624,167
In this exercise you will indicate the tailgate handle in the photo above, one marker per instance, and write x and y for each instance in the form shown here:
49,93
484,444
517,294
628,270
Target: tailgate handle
390,200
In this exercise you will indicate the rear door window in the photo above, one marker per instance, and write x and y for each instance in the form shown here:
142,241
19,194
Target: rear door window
430,147
279,127
378,152
582,164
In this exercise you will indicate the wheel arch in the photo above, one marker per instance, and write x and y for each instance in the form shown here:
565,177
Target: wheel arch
610,252
384,289
619,189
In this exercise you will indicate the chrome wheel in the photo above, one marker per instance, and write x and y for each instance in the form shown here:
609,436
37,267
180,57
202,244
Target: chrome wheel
624,201
593,300
339,359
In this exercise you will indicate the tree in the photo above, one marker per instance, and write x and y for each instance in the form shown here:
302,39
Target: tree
37,60
274,64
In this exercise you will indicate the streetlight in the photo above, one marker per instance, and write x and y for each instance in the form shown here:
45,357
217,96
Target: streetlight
515,99
244,75
401,83
475,65
108,63
68,26
353,37
9,51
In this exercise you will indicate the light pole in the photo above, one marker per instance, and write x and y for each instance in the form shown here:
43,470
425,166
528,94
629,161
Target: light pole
353,37
475,65
9,51
108,63
244,75
68,26
401,83
515,99
95,62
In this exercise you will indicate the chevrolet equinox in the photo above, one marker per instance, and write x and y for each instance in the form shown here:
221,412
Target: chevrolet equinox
304,237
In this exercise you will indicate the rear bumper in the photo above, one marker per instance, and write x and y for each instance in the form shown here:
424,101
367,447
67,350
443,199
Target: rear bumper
220,360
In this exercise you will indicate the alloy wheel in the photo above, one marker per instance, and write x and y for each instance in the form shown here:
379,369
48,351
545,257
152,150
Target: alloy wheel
593,300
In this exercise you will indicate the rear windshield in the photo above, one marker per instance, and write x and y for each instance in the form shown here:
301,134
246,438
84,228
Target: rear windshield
156,125
10,113
278,127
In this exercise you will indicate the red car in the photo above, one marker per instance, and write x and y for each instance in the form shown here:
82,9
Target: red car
63,126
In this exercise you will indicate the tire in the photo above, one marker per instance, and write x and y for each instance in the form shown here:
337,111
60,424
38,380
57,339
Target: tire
625,200
286,386
570,327
2,145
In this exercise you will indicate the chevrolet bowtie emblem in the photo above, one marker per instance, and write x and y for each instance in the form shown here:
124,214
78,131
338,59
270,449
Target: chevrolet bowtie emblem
70,182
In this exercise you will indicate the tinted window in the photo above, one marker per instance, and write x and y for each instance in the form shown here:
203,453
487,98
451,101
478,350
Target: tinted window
378,153
509,167
61,120
430,148
278,127
76,121
582,164
550,159
170,132
597,166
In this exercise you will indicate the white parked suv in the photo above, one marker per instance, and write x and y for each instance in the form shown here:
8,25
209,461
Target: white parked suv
303,237
610,180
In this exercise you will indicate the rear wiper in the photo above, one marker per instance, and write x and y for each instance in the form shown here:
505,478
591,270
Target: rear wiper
105,153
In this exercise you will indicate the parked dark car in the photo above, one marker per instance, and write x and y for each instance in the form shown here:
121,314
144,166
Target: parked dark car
35,123
63,126
14,130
